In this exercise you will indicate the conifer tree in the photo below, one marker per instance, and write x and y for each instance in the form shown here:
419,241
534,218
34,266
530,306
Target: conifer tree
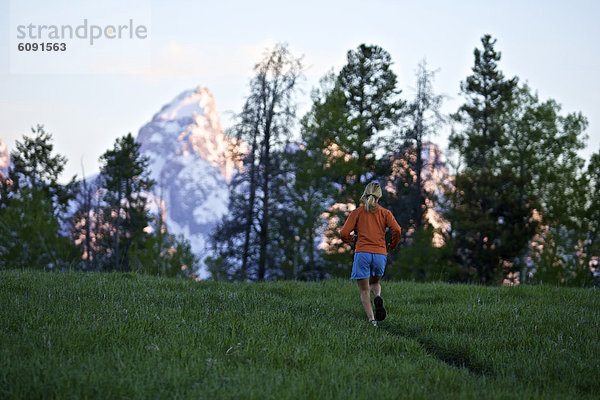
489,226
33,205
367,92
489,96
317,168
124,177
349,121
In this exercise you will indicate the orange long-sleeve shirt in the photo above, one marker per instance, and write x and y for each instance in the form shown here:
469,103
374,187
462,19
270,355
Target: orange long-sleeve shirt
371,230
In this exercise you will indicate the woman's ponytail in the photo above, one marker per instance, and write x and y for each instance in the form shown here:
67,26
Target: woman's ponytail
370,203
371,195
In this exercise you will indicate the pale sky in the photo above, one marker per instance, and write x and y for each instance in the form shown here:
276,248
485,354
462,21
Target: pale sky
553,45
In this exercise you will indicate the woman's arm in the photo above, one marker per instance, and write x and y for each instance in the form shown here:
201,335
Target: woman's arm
349,227
396,230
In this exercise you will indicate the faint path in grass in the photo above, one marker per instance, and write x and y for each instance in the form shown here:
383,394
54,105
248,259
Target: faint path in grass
453,358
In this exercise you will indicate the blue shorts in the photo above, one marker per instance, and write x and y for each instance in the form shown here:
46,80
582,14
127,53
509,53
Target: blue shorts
368,264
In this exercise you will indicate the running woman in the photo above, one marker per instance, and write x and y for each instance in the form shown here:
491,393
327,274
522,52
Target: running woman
370,221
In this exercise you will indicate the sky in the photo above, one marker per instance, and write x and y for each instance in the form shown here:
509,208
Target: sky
90,95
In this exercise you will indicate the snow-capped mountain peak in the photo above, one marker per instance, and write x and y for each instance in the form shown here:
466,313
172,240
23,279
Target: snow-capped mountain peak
189,160
189,124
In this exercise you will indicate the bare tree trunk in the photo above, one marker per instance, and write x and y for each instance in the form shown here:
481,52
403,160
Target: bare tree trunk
252,198
88,224
116,234
264,226
87,209
419,171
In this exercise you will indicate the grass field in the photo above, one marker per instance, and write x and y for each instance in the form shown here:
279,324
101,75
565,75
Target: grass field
75,335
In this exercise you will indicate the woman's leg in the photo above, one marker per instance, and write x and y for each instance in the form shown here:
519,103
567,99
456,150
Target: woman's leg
365,297
375,286
380,312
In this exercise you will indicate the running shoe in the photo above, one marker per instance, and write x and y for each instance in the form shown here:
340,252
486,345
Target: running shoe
379,309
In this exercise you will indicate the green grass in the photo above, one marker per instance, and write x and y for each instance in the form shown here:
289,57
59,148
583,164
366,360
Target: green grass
75,335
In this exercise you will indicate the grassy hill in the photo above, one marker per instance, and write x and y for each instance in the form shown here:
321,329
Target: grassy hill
74,335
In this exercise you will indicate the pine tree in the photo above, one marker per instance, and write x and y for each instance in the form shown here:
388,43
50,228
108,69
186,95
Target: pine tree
349,119
371,105
163,254
313,166
489,226
124,177
489,96
34,166
33,206
304,196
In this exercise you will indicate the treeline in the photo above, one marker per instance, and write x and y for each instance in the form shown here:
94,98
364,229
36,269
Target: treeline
513,202
99,225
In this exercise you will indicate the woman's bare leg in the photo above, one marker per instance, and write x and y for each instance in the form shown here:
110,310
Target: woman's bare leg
380,312
375,286
365,297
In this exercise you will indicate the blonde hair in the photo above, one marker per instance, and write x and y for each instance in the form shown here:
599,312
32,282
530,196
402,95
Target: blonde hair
371,196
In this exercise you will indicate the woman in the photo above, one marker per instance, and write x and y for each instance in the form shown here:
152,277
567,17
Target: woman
370,221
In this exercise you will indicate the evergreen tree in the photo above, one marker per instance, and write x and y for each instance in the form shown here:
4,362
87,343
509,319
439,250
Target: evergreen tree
32,206
287,248
264,126
163,254
234,239
34,166
371,104
488,232
349,120
316,168
124,178
489,96
305,194
489,226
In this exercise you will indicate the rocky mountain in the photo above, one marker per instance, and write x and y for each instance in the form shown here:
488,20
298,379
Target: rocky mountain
4,159
188,160
435,177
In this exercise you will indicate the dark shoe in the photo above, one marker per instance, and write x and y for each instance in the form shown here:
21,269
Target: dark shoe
379,309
